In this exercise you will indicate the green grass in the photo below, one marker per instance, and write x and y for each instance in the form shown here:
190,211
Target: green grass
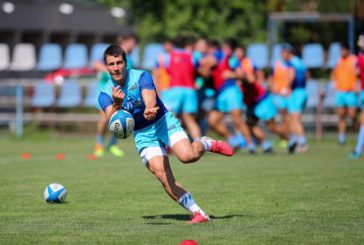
317,198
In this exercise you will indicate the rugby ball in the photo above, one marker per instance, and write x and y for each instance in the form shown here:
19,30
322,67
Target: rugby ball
122,124
55,193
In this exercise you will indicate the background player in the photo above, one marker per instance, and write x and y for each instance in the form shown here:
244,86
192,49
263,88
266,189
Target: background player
182,95
344,76
360,142
155,127
297,99
229,96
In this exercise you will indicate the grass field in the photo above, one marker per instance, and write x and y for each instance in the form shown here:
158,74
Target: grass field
317,198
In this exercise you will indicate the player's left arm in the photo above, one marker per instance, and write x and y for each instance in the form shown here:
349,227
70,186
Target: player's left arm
149,96
111,104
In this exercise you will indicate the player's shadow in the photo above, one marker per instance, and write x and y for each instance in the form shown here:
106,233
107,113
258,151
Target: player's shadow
188,217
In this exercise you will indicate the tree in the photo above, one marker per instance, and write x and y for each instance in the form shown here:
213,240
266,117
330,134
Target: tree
158,20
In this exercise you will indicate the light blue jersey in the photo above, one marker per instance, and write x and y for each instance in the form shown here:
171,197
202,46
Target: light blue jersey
136,81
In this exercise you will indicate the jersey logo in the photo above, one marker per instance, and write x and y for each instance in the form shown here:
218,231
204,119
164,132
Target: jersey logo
132,104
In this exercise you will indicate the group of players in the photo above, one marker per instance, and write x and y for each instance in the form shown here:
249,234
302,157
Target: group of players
201,81
211,80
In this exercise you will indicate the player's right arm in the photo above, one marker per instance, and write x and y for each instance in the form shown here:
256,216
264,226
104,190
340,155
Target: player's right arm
111,105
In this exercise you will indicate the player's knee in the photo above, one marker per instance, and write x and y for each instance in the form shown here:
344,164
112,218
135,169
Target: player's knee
188,157
211,122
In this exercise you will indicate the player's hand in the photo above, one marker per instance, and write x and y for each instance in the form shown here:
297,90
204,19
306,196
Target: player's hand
228,74
117,95
150,113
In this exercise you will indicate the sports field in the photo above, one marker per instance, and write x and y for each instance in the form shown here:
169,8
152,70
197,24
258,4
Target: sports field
317,198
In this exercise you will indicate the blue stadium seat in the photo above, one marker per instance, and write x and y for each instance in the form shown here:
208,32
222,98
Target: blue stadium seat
76,56
313,94
97,52
50,57
276,54
329,96
151,52
334,54
313,55
135,57
44,95
70,95
258,53
91,95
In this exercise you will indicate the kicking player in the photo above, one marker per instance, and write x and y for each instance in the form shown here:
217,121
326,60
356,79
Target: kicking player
360,142
296,100
155,127
344,76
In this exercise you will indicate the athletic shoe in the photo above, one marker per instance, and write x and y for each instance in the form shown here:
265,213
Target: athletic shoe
197,218
252,149
354,155
234,143
99,150
268,151
219,147
292,148
114,149
302,148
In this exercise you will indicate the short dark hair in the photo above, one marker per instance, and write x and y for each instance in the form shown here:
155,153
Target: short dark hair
190,40
115,50
231,42
287,47
179,41
214,43
345,45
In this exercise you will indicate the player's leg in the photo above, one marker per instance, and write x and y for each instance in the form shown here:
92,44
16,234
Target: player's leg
280,129
284,126
341,113
260,135
242,127
233,103
296,103
173,135
215,121
188,152
160,167
352,114
298,130
360,140
191,125
100,134
189,109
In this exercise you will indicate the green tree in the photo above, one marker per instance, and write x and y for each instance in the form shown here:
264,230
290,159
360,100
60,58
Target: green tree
158,20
